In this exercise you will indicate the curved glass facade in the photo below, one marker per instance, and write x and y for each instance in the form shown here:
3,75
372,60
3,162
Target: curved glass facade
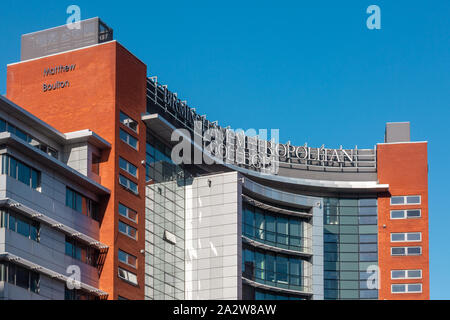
274,269
266,267
273,229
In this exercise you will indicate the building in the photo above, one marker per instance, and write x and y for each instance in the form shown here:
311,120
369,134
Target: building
91,177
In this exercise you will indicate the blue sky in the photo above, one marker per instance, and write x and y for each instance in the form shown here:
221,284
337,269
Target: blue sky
310,68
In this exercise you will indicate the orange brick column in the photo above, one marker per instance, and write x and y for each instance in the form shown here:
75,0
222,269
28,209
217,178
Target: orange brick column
106,79
404,167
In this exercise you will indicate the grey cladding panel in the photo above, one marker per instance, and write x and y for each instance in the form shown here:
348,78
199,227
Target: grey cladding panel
60,39
397,132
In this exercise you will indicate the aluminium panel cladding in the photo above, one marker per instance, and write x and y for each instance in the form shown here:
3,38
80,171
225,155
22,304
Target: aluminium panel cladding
213,237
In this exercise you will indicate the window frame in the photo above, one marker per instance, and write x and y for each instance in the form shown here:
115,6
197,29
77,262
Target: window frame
406,251
126,276
128,164
406,288
405,214
127,216
128,227
127,255
127,186
121,113
405,200
406,236
406,274
127,141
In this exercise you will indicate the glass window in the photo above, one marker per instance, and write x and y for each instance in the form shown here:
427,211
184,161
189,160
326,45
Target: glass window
398,251
406,274
368,220
270,267
370,247
406,288
128,167
24,173
22,277
295,232
368,202
127,276
124,211
414,274
397,237
398,274
415,287
128,139
22,135
368,238
282,231
128,184
20,171
398,214
12,223
413,213
410,251
81,204
127,230
260,224
414,236
23,228
127,121
414,250
21,225
34,282
282,269
413,200
127,258
398,200
270,228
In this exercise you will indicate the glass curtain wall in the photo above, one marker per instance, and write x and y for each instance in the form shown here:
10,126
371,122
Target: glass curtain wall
350,248
165,209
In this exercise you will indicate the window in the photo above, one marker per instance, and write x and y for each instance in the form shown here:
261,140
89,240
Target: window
406,288
127,230
20,171
280,231
127,121
405,200
405,214
19,276
83,205
127,258
406,251
22,225
128,139
128,167
81,252
126,212
127,276
272,269
405,237
128,184
6,126
406,274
